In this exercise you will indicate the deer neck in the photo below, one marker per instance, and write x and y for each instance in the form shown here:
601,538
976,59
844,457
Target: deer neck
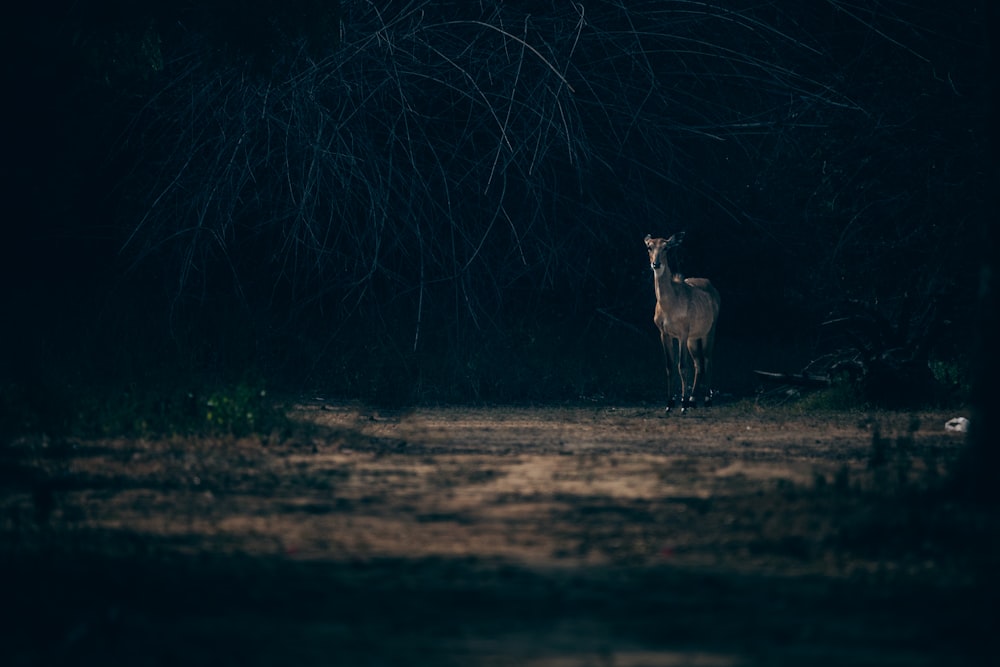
666,287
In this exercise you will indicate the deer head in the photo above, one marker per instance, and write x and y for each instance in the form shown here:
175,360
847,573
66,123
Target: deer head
656,248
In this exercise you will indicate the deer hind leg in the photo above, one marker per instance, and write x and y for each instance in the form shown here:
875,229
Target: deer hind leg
709,390
696,347
709,348
668,355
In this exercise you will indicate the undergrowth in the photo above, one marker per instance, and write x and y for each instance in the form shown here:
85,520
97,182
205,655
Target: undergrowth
239,409
905,506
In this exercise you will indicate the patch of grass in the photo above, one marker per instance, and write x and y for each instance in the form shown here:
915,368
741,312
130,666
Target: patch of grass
954,380
843,394
239,408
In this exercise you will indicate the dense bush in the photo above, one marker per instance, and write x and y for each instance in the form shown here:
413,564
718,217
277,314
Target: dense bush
440,201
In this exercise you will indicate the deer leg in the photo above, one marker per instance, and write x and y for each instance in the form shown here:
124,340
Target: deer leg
682,344
709,348
697,351
709,392
668,344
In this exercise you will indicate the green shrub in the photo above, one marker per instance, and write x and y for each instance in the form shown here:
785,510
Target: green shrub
843,394
953,378
239,409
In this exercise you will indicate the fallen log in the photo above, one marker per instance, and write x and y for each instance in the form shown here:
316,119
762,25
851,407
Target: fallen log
797,379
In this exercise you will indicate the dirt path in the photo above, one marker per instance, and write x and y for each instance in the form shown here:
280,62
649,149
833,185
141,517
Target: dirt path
572,536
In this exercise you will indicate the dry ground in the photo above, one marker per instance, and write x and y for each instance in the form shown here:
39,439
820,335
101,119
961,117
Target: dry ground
527,536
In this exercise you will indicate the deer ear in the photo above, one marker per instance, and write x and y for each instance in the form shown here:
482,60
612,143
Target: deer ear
648,238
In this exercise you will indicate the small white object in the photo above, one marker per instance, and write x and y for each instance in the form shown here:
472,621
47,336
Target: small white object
957,425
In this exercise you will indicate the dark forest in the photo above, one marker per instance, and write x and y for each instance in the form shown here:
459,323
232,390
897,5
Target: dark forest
328,333
445,201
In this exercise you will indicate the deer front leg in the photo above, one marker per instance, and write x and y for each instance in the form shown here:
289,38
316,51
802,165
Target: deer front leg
667,342
682,344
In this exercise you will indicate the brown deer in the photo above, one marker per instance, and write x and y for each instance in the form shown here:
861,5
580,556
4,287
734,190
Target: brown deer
687,310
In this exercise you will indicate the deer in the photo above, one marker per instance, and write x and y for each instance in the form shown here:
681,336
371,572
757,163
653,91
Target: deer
687,310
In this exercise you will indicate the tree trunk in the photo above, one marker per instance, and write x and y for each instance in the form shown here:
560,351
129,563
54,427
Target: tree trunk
979,476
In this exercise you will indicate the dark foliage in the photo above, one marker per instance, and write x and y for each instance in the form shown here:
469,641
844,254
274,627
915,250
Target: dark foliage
445,201
886,357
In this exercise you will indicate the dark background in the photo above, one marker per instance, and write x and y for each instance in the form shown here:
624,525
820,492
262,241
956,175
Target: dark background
446,201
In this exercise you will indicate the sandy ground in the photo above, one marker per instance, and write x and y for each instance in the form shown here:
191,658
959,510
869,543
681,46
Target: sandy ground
591,535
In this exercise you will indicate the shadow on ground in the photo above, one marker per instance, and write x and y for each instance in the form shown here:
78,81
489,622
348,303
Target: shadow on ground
519,537
209,610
